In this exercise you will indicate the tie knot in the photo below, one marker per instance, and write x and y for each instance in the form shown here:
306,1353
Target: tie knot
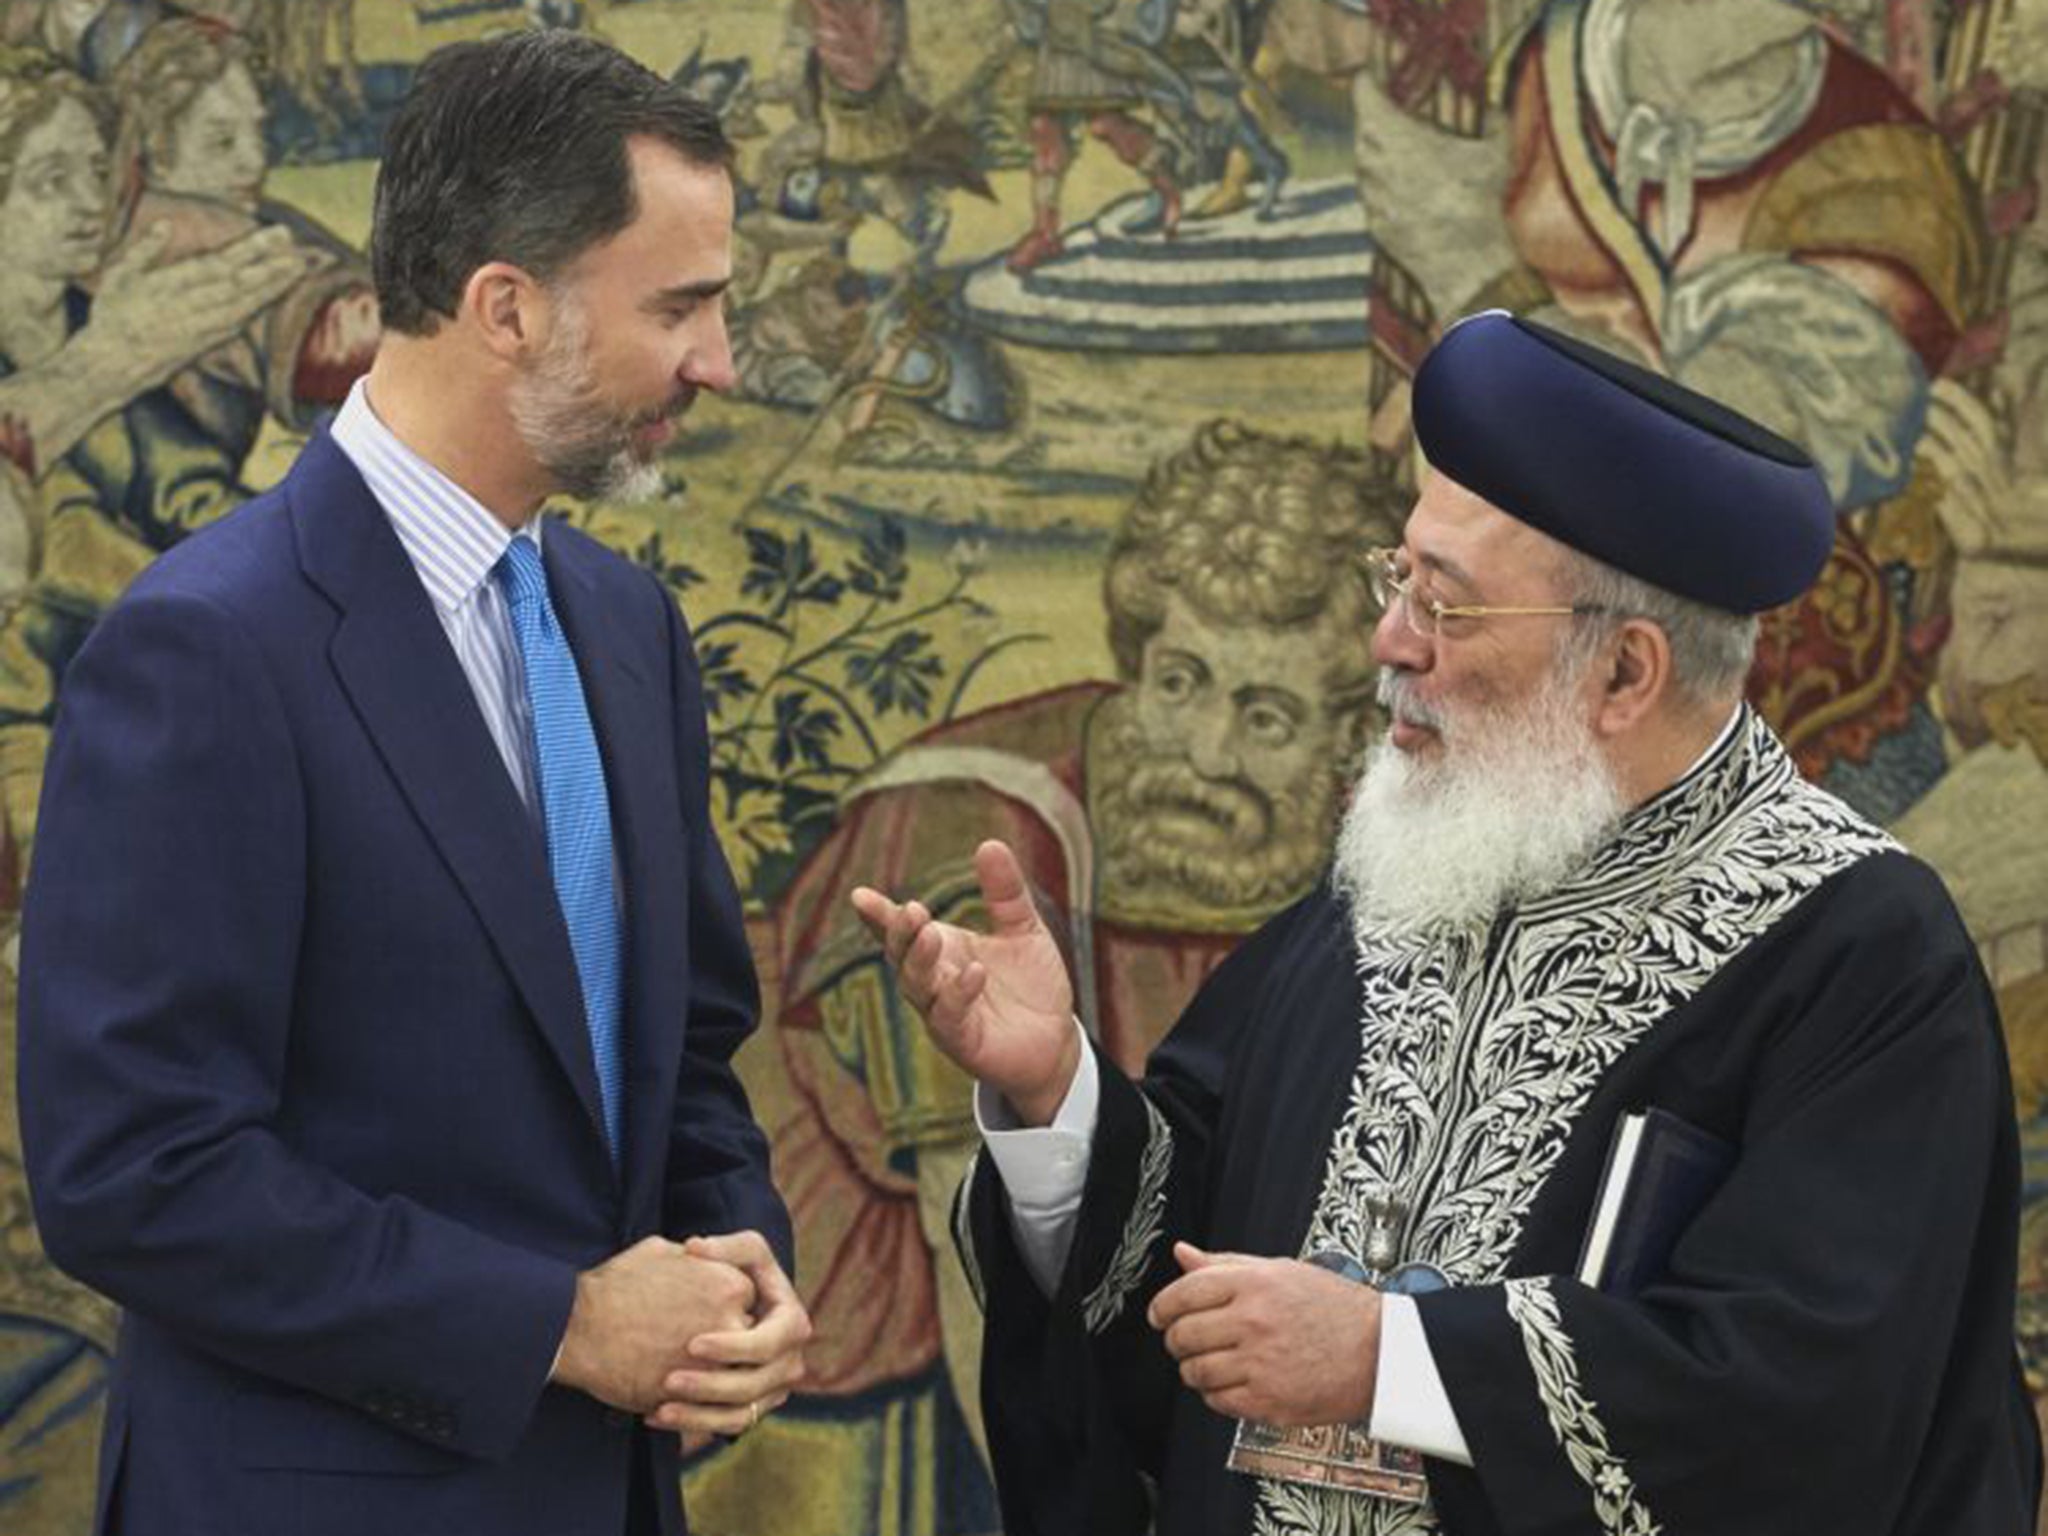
524,577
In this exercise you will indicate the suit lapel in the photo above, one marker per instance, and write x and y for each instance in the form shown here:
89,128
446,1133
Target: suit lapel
632,716
393,661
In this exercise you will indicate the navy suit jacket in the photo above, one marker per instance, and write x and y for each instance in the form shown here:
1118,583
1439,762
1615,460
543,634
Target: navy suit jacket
305,1081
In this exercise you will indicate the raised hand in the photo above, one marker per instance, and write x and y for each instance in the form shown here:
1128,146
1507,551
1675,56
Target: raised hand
998,1003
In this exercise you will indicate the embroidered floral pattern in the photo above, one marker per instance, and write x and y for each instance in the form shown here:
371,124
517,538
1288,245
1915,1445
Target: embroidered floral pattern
1574,1417
1142,1227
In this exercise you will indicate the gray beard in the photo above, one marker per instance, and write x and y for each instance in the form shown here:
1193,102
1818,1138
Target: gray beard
1517,801
569,428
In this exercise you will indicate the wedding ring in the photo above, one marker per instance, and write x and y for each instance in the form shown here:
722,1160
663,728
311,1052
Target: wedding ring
753,1414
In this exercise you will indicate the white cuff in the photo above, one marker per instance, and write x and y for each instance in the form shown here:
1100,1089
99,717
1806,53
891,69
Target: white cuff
1409,1405
1044,1168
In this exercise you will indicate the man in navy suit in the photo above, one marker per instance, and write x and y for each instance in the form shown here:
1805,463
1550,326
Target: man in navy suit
380,973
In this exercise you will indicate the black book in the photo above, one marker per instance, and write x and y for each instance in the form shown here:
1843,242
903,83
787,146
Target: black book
1660,1171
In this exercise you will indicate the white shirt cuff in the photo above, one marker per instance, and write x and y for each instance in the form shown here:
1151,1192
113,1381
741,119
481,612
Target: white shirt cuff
1045,1169
1409,1405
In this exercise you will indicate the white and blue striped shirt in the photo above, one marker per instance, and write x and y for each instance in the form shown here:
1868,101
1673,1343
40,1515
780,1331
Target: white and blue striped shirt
455,543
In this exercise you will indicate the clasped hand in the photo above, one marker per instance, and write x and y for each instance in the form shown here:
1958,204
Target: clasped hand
701,1337
1271,1339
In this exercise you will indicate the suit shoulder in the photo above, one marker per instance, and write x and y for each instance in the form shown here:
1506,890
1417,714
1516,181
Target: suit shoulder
620,578
595,558
236,562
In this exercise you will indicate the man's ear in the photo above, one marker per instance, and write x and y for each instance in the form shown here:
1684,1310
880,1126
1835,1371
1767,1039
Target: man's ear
1637,676
508,310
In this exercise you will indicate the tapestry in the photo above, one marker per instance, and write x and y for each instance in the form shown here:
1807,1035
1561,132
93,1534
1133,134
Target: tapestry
1073,341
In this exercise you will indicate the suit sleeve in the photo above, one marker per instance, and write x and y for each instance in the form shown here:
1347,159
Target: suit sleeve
159,965
718,1155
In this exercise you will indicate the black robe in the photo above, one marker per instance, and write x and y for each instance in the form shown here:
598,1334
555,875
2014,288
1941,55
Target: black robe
1830,1347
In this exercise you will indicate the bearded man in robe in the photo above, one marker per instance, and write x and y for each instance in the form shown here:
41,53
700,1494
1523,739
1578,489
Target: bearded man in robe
1579,878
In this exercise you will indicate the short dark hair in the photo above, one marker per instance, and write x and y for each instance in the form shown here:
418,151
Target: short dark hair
514,149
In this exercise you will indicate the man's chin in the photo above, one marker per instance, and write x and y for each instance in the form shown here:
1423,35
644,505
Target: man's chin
634,479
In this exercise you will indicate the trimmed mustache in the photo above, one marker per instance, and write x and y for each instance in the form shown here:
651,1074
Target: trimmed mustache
670,410
1396,692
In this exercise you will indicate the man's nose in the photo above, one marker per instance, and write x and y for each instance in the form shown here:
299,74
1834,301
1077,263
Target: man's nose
1396,644
708,364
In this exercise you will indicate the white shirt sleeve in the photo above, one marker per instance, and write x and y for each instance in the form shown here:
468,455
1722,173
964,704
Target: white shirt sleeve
1044,1168
1409,1405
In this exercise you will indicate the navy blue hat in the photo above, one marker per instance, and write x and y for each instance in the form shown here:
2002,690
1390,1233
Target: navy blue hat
1623,464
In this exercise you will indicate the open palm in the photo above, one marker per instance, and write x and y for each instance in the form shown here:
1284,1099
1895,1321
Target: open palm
999,1003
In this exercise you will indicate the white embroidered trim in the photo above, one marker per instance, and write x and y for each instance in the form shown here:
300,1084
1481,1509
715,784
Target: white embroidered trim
963,1233
1293,1509
1141,1228
1575,1417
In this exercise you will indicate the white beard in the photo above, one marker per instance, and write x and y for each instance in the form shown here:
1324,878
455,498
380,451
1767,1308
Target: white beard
1517,800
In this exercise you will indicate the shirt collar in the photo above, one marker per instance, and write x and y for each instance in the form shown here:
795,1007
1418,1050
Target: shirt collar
453,539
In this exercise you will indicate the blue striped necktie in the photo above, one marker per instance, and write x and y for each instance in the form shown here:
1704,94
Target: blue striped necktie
576,809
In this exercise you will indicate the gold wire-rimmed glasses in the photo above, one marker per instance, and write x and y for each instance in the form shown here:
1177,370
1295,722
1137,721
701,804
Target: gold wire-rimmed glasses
1425,615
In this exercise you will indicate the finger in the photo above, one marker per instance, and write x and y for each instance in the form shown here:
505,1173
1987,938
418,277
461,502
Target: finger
922,961
1003,891
1204,1333
1191,1258
779,1331
1200,1292
905,929
687,1418
731,1386
1220,1372
875,910
745,1249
